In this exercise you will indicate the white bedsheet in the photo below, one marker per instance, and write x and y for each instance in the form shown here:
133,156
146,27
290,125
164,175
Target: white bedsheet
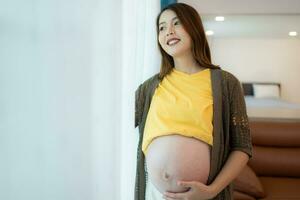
271,108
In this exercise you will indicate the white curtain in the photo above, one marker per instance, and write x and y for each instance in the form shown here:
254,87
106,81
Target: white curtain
60,103
140,60
68,71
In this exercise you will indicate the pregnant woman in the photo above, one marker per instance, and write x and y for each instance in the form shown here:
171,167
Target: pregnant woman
193,127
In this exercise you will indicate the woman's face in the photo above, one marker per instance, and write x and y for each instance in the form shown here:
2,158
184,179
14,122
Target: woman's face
172,36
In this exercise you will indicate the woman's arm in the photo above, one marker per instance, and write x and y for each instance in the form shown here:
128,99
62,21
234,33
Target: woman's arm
240,138
232,168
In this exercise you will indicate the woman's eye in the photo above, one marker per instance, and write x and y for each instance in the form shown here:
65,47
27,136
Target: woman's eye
177,22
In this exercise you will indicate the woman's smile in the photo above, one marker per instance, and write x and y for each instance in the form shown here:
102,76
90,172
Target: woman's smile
173,42
172,33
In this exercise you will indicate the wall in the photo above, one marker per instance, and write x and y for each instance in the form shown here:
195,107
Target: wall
271,60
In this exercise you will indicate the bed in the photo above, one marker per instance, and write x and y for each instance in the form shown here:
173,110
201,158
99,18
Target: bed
263,100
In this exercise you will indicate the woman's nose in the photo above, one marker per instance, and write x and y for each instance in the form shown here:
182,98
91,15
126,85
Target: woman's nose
170,30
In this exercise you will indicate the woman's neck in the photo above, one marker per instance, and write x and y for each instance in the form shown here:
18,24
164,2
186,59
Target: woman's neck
187,64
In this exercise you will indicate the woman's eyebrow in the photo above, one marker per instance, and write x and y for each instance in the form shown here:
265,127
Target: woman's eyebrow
171,20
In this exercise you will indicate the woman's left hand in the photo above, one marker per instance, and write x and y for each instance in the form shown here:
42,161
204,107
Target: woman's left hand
198,191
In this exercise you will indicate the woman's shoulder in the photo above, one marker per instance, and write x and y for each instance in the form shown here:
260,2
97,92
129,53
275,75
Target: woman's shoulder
150,81
229,82
229,78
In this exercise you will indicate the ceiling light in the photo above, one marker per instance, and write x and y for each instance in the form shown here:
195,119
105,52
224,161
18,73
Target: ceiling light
219,18
293,33
209,32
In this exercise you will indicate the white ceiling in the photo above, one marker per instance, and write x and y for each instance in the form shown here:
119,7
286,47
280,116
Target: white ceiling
245,6
253,26
251,18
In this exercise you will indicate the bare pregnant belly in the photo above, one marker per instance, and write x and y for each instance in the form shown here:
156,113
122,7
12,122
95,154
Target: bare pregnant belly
175,157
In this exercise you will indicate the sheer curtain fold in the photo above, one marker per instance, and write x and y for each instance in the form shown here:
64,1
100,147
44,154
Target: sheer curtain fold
140,60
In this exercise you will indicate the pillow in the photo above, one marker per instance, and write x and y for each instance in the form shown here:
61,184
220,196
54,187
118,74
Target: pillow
247,182
266,91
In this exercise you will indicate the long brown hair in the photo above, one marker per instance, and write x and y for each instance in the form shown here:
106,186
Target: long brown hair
192,23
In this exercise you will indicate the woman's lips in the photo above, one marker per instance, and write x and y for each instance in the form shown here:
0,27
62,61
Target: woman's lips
172,41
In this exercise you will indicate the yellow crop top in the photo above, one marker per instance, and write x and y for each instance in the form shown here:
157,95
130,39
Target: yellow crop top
182,103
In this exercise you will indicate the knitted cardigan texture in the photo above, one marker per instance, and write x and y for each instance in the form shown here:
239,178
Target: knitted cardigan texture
230,126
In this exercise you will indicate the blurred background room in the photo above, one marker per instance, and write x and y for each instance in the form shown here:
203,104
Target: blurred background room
69,69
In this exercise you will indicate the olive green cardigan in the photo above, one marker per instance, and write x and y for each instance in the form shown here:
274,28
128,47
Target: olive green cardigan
230,126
